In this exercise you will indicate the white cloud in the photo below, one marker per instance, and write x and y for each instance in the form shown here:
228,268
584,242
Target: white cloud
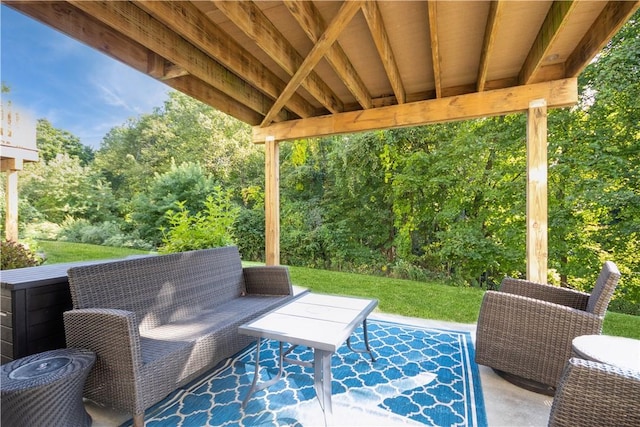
122,86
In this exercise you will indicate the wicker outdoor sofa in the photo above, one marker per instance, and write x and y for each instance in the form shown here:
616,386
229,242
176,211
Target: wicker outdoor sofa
158,322
525,330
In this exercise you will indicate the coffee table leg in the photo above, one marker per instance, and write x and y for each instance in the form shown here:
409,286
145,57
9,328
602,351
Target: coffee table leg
322,378
254,385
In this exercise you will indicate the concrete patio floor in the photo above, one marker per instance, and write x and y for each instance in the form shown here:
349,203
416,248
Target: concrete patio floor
506,404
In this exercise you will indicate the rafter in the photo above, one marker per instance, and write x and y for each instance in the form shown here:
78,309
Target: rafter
133,22
560,93
254,23
381,39
341,20
79,25
542,46
310,20
495,12
194,26
612,17
435,47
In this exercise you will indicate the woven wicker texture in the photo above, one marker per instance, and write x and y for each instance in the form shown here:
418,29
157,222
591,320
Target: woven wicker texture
51,397
526,328
156,323
595,394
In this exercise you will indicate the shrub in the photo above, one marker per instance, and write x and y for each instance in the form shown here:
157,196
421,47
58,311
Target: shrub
42,230
16,255
107,233
206,229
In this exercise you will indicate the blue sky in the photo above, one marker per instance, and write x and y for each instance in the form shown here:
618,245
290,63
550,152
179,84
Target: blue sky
75,87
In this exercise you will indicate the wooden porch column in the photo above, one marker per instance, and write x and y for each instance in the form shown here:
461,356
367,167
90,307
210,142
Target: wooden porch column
11,168
272,201
537,252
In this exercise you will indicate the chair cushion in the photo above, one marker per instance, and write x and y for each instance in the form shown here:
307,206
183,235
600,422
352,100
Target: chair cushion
603,290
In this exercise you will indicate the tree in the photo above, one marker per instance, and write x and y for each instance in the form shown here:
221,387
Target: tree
64,188
53,141
183,187
595,173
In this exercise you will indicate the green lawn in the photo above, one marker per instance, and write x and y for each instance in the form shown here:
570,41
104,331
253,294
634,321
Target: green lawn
58,252
431,300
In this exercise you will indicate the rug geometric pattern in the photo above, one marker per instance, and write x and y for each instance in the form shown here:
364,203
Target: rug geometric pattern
421,376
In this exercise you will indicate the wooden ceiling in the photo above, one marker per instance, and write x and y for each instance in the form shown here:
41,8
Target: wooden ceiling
297,69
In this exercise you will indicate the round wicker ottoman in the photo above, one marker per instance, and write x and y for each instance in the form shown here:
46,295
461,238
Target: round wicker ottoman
45,389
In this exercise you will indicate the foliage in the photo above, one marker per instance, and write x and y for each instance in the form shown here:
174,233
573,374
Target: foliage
17,255
52,142
131,155
63,187
108,233
39,230
209,228
187,184
249,230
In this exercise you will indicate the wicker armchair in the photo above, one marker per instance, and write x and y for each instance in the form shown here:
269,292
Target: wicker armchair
525,330
595,394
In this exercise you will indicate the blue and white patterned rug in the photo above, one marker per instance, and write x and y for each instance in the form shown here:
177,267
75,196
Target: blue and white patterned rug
420,377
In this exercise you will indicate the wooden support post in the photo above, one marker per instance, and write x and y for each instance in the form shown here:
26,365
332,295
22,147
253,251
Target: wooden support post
272,201
11,167
537,252
11,196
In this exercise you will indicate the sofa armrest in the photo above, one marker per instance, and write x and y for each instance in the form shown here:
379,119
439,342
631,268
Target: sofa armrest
544,292
596,394
114,336
267,280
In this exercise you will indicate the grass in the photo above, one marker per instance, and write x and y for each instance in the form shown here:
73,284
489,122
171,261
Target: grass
59,252
431,300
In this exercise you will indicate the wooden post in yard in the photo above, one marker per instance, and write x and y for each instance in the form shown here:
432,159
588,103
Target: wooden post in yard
537,252
272,201
11,168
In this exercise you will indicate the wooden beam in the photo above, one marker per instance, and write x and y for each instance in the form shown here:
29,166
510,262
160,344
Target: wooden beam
187,20
341,20
435,47
272,201
81,26
255,24
212,96
138,25
612,17
495,13
559,93
537,252
10,164
381,39
312,23
543,45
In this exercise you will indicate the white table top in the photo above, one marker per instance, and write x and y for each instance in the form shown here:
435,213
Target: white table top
315,320
617,351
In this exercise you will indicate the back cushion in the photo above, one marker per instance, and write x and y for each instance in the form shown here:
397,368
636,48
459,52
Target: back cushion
160,289
603,290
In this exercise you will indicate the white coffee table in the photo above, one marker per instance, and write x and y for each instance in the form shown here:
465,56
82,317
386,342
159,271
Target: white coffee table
321,322
616,351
